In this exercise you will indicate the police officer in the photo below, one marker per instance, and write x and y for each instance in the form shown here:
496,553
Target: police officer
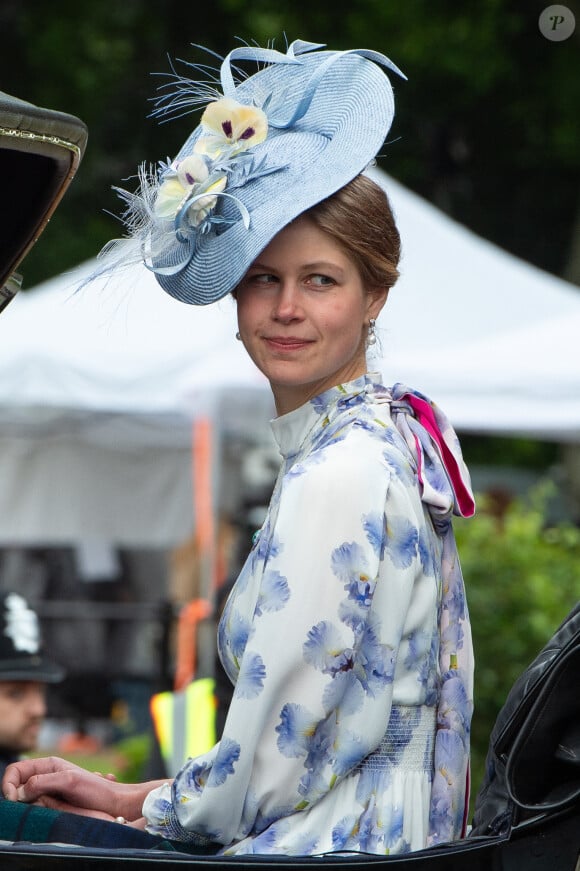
24,673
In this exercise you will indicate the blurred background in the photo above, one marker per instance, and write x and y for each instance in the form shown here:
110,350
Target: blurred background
487,131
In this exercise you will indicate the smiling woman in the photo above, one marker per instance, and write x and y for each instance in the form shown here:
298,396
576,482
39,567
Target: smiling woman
346,635
307,304
303,314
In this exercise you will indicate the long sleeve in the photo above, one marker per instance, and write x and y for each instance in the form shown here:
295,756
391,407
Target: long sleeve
315,684
349,724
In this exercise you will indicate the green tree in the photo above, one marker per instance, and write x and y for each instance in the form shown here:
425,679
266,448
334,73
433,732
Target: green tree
487,125
522,578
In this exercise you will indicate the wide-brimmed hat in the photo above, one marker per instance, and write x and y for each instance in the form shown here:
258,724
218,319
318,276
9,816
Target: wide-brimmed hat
268,147
40,151
21,653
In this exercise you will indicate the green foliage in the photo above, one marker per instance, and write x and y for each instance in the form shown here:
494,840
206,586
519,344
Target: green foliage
134,751
522,578
487,125
125,759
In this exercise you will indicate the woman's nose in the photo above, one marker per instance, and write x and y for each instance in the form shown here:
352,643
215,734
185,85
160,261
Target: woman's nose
287,306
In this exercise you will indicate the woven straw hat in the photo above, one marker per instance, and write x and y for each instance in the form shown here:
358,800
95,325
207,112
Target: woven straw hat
277,143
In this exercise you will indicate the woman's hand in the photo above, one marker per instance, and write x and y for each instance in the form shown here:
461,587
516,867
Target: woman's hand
56,783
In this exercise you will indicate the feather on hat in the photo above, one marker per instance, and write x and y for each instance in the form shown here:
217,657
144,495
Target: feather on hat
268,148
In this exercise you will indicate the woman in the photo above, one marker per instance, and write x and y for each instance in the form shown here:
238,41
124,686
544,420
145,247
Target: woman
346,633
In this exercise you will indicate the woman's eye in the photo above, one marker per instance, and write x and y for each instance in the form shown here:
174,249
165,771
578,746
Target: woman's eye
261,278
321,281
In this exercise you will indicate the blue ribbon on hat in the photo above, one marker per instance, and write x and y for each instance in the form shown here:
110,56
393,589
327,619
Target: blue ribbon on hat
299,46
189,240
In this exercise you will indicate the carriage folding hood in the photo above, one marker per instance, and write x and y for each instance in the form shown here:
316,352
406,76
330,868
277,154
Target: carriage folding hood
40,152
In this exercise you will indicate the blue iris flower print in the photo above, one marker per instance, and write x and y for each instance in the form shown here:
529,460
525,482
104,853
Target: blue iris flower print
266,842
344,833
372,781
422,658
325,650
393,437
196,776
250,682
333,432
394,837
374,527
370,830
267,544
455,600
422,666
402,538
353,615
294,730
305,844
437,476
320,403
426,547
401,727
444,816
419,641
350,566
322,746
343,692
375,662
228,753
454,711
240,629
165,811
349,562
349,752
301,734
399,467
274,593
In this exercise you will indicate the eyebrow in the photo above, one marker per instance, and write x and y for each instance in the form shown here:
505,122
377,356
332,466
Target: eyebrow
317,266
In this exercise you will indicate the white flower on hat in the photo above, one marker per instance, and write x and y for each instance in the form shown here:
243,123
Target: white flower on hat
233,128
188,180
21,624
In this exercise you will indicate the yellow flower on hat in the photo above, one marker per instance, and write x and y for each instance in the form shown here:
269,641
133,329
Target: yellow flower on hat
233,127
200,208
175,189
189,180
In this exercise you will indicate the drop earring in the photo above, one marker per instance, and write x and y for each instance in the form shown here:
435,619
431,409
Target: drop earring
372,334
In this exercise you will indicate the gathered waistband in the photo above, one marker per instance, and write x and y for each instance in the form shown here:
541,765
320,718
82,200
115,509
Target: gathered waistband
408,742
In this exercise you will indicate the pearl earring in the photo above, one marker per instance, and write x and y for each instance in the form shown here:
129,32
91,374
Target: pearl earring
238,337
372,335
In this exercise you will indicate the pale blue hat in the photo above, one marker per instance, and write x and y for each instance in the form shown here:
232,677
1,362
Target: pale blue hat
267,148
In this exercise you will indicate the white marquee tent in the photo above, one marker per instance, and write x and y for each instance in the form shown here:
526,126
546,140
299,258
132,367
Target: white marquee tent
99,390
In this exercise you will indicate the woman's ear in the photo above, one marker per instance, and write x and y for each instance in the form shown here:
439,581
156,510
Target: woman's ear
377,297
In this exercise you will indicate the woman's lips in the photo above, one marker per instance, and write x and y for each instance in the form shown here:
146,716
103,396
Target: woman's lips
286,343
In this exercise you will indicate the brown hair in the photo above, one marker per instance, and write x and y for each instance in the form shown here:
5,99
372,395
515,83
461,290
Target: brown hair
359,218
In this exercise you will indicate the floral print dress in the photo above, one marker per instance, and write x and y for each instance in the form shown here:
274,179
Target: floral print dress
347,638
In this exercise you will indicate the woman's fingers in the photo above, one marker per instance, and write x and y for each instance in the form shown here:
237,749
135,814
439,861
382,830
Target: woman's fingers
76,787
19,773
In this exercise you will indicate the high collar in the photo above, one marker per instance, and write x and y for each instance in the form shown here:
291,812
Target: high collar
427,435
292,429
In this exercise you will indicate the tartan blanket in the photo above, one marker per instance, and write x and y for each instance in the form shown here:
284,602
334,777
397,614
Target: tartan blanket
25,823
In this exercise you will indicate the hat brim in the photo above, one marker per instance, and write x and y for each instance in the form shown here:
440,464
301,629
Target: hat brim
40,151
340,134
31,668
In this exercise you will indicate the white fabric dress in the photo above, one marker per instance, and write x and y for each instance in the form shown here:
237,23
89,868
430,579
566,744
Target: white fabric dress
347,638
